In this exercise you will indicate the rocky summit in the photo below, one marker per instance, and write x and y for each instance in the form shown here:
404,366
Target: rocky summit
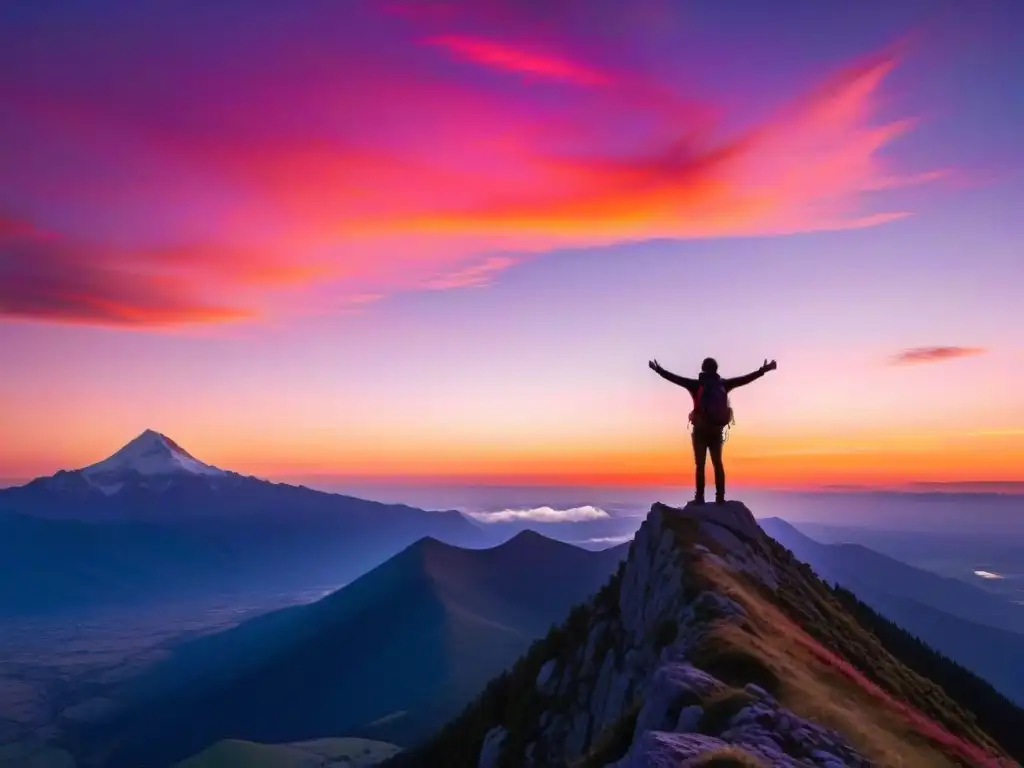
711,646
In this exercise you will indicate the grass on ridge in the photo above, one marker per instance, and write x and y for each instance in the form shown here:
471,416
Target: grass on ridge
782,644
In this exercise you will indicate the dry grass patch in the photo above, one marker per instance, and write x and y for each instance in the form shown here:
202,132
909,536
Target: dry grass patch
819,685
737,658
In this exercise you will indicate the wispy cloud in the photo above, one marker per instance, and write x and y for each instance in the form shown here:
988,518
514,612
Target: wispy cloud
523,60
472,276
920,355
543,515
609,539
803,170
988,575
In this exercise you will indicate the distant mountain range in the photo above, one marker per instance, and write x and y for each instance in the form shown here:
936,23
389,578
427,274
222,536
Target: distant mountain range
391,656
152,521
981,631
947,511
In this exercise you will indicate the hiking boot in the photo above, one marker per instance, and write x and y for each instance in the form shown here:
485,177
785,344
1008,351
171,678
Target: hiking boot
719,499
698,500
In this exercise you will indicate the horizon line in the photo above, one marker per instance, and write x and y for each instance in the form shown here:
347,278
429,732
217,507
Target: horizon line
995,487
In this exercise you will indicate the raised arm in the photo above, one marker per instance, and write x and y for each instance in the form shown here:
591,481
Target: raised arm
740,381
689,384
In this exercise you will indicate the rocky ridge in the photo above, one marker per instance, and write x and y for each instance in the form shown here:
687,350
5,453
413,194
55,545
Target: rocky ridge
712,645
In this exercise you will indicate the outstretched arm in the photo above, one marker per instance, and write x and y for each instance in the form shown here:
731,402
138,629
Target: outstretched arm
689,384
740,381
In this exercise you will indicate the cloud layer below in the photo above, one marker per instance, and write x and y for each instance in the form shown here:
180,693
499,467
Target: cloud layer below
543,515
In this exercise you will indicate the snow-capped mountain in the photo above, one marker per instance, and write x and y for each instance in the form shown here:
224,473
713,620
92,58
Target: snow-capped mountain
151,453
150,463
152,478
152,496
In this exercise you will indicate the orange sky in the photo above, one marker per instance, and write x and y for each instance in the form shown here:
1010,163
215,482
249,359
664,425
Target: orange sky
445,244
764,460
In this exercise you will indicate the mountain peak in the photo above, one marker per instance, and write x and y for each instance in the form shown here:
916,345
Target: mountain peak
530,537
151,453
714,644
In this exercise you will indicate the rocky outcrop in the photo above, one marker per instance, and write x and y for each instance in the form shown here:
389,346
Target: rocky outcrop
763,730
634,664
668,667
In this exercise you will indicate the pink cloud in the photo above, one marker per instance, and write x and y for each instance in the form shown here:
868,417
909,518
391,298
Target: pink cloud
58,281
919,355
343,173
473,276
802,171
515,59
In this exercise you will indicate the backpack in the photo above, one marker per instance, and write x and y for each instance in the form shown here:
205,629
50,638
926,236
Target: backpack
711,406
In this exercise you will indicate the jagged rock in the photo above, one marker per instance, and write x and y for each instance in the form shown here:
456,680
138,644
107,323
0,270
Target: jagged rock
658,749
599,703
733,515
491,750
565,681
617,694
670,684
826,760
689,719
545,674
669,687
758,692
725,537
782,737
718,606
577,738
596,634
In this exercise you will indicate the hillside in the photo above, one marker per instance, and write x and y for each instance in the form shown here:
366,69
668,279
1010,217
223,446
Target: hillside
714,645
66,565
406,645
863,568
979,630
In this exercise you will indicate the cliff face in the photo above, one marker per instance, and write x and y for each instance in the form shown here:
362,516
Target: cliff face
712,645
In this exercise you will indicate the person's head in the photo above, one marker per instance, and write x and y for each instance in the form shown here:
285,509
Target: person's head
710,365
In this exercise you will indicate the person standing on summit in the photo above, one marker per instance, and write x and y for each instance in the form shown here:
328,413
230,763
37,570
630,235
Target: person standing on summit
710,416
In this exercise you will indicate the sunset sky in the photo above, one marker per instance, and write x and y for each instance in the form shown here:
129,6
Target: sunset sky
442,239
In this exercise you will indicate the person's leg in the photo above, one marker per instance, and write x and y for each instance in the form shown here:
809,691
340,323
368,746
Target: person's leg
715,449
700,448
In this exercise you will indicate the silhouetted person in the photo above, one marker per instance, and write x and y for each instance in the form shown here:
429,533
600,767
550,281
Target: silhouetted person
710,416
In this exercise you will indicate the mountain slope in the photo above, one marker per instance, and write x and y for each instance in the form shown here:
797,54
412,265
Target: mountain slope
864,568
408,644
195,528
971,626
54,565
714,640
